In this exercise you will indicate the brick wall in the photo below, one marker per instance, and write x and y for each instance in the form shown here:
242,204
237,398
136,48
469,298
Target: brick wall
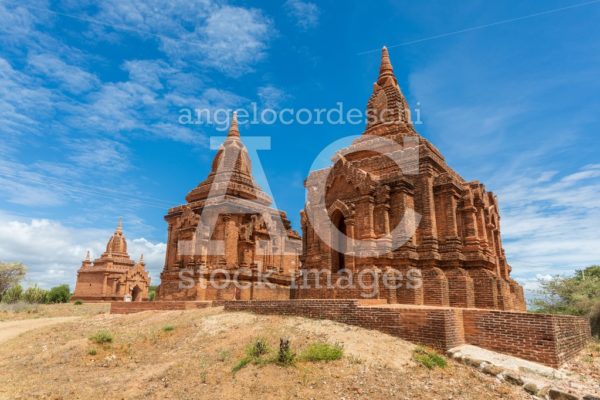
121,307
547,339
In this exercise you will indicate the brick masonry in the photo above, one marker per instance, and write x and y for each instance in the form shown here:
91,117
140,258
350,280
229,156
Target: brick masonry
543,338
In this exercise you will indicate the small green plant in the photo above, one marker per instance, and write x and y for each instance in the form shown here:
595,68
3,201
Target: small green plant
322,352
78,302
285,356
102,337
92,352
223,355
241,364
258,348
168,328
428,359
203,376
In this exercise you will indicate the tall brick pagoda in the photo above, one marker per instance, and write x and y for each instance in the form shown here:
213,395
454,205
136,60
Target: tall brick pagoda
457,245
114,275
249,239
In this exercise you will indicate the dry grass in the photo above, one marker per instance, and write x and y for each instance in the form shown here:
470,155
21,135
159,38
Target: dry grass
195,360
20,311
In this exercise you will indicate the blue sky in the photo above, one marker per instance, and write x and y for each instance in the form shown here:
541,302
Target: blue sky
90,94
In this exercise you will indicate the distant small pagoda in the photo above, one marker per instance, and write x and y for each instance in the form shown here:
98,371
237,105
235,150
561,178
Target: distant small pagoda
114,275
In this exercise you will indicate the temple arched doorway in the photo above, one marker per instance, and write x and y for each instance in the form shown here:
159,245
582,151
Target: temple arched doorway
338,242
136,294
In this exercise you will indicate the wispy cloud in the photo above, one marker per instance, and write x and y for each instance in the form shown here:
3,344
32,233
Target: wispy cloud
305,13
70,77
226,38
271,96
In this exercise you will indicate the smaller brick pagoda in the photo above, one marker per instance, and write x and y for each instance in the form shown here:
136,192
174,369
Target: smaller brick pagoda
227,241
112,276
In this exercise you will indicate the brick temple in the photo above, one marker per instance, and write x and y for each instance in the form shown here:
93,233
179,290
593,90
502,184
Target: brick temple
228,225
389,205
112,276
456,245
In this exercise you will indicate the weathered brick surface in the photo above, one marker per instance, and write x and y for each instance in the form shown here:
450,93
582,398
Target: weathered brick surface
367,195
546,339
250,240
122,307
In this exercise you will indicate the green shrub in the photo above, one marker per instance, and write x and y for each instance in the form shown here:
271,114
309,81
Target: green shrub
13,294
59,294
11,274
168,328
152,293
258,348
428,359
92,352
102,337
35,295
78,302
322,352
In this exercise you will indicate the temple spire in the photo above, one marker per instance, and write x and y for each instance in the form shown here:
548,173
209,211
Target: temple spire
87,256
120,226
142,258
385,69
234,131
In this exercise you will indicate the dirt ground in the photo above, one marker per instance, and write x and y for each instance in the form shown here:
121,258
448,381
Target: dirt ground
11,329
195,361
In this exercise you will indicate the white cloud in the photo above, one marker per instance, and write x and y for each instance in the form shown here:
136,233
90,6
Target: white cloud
72,78
271,96
305,13
233,39
53,252
550,222
223,37
108,155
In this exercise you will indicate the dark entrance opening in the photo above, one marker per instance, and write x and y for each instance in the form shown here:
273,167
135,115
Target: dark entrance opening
338,243
136,294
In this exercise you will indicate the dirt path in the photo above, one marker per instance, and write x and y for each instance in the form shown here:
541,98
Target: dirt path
11,329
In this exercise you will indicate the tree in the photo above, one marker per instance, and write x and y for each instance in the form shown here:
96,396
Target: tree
59,294
151,293
11,274
35,294
13,295
575,295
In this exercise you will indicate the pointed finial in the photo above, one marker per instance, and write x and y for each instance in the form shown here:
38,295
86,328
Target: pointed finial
142,258
120,226
87,256
385,69
233,129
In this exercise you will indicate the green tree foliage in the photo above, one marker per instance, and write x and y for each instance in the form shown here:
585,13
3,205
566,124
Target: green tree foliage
35,294
575,295
13,294
59,294
11,274
151,293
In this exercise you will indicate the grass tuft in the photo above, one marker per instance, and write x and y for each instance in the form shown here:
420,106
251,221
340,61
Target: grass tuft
102,337
92,352
322,352
258,348
428,359
168,328
78,302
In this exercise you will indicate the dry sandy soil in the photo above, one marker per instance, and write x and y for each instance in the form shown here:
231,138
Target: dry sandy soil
195,361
